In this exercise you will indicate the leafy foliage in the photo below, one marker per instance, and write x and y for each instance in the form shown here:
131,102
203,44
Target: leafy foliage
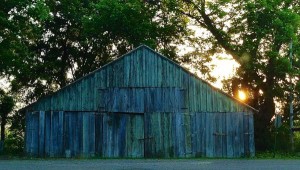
257,35
45,45
6,106
56,42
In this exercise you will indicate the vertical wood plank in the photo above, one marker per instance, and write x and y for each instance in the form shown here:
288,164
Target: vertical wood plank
47,133
140,67
194,135
55,149
149,145
67,134
92,134
202,128
85,131
209,99
60,134
105,136
224,134
122,135
159,72
79,134
41,133
167,135
246,132
209,135
230,137
33,132
251,135
155,70
99,134
242,135
188,135
217,133
204,97
179,138
95,92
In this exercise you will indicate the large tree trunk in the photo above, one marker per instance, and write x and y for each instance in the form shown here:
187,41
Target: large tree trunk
3,122
262,124
267,110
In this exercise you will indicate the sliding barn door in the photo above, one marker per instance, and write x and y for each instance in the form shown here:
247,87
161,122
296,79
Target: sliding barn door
122,135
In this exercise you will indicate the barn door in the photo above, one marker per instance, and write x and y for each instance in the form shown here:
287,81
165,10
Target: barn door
167,127
54,133
219,135
73,133
123,135
79,133
127,110
158,135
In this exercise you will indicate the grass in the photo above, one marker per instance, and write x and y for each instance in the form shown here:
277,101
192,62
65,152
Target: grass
277,155
258,155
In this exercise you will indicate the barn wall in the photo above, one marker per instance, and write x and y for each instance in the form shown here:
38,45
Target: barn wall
158,134
139,69
141,105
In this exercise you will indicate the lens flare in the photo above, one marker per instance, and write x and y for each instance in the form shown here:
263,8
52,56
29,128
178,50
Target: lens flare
242,95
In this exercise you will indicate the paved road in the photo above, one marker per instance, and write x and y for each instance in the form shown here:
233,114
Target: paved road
147,164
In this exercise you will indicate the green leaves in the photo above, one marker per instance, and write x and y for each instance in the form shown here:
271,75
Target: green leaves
39,10
118,21
44,45
257,34
6,104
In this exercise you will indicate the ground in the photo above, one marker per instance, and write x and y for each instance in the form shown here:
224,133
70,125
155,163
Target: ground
147,164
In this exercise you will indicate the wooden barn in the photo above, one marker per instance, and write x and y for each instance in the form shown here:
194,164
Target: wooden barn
140,105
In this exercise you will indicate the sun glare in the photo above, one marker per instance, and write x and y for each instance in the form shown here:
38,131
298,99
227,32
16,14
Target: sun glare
242,95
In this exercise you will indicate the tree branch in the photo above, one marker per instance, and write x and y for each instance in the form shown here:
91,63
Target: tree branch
219,35
194,17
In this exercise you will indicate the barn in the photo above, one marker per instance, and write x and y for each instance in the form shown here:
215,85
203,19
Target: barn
140,105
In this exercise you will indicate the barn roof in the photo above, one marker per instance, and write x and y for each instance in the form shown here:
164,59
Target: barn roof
160,55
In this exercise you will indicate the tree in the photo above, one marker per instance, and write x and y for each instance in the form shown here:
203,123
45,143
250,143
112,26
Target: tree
257,35
6,106
45,45
61,41
12,50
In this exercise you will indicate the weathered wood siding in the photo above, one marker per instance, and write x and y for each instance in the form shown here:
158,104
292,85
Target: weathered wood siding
149,135
141,105
142,68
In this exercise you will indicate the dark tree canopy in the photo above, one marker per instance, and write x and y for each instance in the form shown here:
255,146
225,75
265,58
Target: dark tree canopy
257,35
6,106
47,44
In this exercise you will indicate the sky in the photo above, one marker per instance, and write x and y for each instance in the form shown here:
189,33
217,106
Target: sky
224,69
4,84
